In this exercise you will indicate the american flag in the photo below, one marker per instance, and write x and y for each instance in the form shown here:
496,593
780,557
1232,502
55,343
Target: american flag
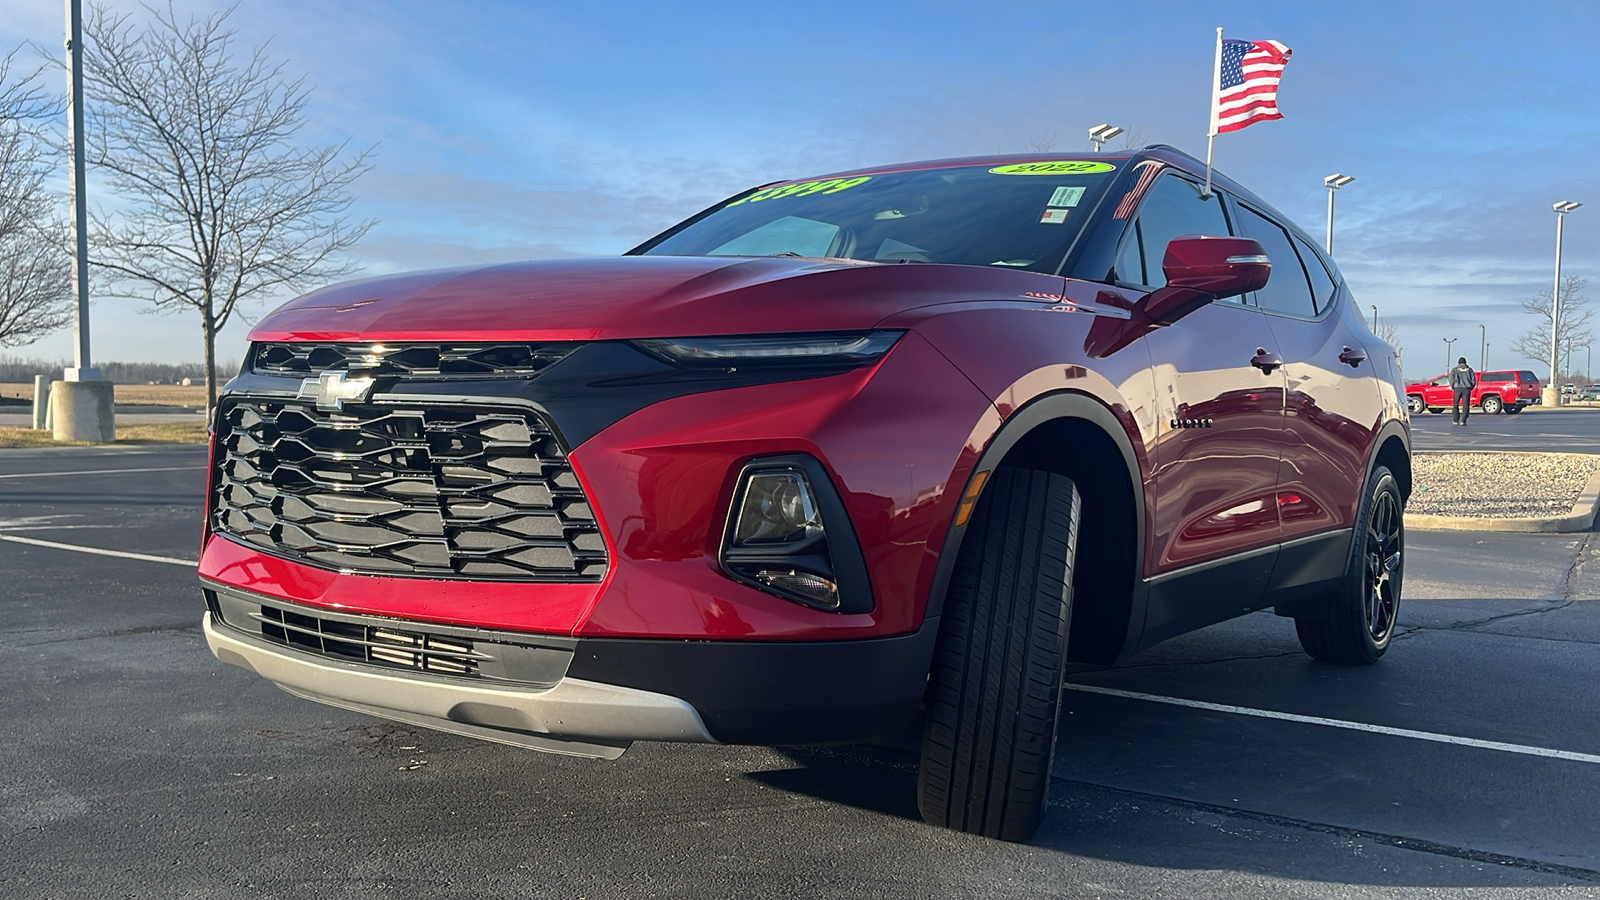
1248,88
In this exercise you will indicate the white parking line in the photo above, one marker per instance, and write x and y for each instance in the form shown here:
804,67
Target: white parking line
101,472
1523,749
98,552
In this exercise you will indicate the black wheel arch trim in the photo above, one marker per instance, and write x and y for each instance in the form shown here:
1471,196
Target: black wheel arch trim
1037,412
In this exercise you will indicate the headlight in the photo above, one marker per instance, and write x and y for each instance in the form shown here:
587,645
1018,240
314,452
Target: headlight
850,348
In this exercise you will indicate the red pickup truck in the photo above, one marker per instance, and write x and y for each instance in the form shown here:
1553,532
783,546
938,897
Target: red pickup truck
1503,391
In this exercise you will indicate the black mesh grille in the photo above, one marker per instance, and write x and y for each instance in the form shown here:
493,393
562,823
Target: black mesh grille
443,491
417,360
390,647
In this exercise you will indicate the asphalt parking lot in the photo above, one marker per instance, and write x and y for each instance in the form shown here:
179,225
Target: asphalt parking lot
1564,430
1224,763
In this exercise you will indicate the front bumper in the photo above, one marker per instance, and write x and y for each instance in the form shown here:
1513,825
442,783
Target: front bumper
575,717
584,696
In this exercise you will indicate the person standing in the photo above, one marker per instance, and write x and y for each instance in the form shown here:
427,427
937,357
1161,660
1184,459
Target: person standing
1462,381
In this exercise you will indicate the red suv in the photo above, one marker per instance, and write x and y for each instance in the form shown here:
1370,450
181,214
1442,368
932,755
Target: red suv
1502,391
835,460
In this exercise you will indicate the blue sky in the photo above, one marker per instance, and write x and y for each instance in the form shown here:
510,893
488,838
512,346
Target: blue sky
516,130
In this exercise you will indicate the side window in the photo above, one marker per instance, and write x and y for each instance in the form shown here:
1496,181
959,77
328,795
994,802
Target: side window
1287,291
1322,286
1171,208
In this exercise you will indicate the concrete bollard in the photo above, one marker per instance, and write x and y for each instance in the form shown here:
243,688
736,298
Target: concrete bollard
84,411
41,402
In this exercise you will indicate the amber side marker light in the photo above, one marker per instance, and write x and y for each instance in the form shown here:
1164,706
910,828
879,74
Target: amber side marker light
970,499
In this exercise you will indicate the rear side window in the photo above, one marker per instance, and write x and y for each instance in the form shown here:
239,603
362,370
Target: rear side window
1287,291
1322,286
1172,208
1526,376
1498,376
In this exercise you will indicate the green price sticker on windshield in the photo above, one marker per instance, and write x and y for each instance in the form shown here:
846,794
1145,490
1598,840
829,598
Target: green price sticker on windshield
804,189
1054,167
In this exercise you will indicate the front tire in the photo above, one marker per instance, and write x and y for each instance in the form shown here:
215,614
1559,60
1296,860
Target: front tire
1358,623
1415,402
1492,405
994,694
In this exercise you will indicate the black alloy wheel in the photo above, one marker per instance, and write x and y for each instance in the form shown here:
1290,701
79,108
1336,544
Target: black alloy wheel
1358,622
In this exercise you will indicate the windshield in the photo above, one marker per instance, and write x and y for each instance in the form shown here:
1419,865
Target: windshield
1021,216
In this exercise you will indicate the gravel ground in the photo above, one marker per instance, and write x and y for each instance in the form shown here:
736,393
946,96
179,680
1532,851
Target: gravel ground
1498,485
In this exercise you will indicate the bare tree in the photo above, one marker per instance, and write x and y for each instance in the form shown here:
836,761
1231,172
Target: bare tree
35,286
1133,140
1390,335
221,205
1575,318
1043,144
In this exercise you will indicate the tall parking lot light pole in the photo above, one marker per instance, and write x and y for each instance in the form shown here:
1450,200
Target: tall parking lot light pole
81,404
1483,348
1551,393
1334,182
1448,343
1374,318
1101,133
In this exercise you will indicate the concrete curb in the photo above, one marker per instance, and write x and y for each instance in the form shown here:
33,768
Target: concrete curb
1580,519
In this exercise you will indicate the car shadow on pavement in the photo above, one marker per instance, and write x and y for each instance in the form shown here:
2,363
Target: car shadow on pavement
878,779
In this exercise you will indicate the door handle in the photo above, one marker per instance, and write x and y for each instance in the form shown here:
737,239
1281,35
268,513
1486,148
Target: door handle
1352,358
1265,361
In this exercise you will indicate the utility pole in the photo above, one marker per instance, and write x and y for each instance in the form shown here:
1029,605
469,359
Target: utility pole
82,404
1483,348
1448,343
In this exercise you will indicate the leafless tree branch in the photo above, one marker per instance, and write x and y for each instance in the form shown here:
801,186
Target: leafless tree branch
199,137
35,290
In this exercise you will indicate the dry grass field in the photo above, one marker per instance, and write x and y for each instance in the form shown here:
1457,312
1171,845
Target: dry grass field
150,433
146,394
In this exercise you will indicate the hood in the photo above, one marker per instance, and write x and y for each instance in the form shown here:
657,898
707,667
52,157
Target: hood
615,298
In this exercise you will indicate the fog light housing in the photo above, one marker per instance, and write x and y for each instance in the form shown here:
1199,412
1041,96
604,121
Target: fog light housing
788,534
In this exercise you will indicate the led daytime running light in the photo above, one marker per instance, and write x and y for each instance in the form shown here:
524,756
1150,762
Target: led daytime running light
849,347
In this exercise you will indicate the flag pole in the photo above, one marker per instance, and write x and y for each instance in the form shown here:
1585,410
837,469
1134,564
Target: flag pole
1216,94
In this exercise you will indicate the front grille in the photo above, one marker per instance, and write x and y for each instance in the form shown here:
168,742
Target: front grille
518,360
389,647
457,491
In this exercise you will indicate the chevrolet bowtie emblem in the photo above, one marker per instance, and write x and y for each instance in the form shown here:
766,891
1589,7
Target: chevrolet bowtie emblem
330,390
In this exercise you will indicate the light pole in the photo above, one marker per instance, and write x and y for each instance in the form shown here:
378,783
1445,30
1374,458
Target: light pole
1486,355
1374,318
1483,348
1101,133
1334,182
1551,392
1448,343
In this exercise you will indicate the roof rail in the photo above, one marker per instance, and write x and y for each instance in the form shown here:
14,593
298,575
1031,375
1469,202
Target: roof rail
1173,149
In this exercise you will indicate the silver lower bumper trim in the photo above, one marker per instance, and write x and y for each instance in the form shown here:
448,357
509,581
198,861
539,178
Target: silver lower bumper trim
575,717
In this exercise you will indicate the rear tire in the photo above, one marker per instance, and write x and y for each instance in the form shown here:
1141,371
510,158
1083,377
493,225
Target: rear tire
994,694
1513,410
1492,405
1357,624
1436,409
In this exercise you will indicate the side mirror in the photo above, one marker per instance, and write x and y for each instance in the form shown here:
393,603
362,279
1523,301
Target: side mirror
1201,269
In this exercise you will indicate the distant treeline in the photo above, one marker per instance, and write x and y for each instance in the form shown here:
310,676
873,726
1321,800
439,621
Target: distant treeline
14,369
